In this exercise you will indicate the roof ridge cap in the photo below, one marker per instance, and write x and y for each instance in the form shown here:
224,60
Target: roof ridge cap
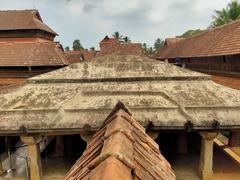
60,55
18,10
119,106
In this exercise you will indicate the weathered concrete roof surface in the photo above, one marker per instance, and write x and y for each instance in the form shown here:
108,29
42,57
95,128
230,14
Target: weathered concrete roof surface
84,93
116,67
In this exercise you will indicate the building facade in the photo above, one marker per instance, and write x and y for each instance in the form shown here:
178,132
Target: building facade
27,47
215,51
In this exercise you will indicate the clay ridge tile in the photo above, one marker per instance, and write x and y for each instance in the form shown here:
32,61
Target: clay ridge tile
126,152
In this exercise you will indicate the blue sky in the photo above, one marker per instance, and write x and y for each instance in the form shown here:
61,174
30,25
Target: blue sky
141,20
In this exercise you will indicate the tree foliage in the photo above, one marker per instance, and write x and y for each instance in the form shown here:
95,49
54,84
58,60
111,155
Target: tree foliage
147,50
226,15
158,44
77,46
191,33
117,35
92,48
127,40
67,48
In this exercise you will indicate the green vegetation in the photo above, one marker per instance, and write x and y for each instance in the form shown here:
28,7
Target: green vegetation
67,48
92,48
147,50
117,35
127,40
77,46
158,44
226,15
191,33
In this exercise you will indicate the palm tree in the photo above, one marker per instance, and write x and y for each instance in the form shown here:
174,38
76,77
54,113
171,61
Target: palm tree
117,35
226,15
126,39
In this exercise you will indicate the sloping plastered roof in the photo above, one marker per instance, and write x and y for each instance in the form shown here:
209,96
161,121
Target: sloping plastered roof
223,40
84,93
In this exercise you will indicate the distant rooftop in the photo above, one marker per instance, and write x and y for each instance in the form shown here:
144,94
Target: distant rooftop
23,20
108,45
223,40
31,54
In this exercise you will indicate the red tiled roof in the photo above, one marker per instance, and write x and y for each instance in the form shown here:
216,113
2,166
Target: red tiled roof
73,56
107,39
169,41
223,40
131,49
232,82
121,150
90,54
31,54
23,20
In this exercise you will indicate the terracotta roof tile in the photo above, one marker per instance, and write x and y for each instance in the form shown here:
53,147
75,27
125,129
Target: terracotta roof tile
223,40
107,39
169,41
31,54
233,82
89,54
23,20
121,150
73,56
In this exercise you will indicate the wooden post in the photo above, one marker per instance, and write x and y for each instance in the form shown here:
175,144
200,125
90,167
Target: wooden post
34,156
182,143
1,168
59,147
234,138
206,157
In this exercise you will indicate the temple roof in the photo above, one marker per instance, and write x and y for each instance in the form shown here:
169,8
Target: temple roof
23,20
82,94
219,41
121,150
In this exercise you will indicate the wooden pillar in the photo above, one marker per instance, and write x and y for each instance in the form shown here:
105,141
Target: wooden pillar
182,143
206,157
1,168
234,138
59,147
34,156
